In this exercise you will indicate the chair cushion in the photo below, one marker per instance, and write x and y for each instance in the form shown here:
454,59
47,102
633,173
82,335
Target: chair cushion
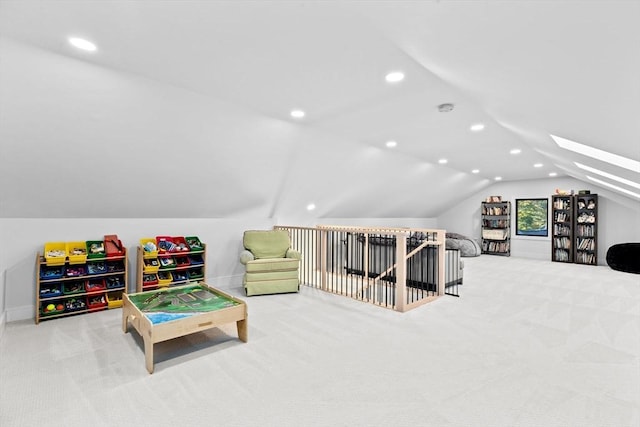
272,264
272,287
267,243
270,275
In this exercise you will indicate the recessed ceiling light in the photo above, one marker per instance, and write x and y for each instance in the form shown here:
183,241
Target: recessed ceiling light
615,187
394,77
475,171
608,175
498,178
391,144
605,156
553,174
477,127
311,206
442,161
82,44
298,114
515,151
538,165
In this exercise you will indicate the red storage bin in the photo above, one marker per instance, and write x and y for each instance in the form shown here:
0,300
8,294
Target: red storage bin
113,246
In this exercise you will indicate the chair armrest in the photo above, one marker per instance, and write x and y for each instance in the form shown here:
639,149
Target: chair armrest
246,256
292,253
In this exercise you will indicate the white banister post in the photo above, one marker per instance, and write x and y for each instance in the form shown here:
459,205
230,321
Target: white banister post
441,262
323,259
401,271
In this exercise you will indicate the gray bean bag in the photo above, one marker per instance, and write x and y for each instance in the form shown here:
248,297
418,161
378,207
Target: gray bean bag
466,245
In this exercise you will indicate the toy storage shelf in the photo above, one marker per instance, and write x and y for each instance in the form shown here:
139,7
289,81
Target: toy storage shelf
166,269
70,288
496,228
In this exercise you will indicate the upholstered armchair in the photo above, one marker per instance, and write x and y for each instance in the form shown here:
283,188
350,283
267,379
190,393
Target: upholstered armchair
271,265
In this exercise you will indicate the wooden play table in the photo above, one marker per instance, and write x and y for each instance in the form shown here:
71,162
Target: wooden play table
168,313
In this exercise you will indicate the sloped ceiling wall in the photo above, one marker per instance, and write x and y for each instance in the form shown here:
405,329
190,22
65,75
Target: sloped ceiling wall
184,110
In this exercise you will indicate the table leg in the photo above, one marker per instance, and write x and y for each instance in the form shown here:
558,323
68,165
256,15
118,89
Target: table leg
148,354
242,330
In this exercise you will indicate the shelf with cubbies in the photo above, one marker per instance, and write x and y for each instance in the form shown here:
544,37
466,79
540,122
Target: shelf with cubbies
166,261
80,277
562,214
586,229
575,228
496,228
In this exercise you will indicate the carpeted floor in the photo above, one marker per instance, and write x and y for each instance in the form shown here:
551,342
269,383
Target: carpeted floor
528,343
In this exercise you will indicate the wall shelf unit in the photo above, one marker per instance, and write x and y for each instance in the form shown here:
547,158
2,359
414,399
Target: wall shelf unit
179,262
496,228
72,283
575,229
586,229
562,214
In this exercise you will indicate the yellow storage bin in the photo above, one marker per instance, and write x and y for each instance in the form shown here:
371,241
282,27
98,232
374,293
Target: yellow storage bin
77,252
55,253
151,265
165,278
149,247
114,300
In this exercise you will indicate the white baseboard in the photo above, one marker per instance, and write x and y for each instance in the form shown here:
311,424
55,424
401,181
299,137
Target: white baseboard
2,324
20,313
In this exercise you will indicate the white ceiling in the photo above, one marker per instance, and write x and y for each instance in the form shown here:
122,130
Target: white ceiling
207,87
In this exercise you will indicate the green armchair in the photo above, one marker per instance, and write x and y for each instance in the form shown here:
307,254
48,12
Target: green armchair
272,267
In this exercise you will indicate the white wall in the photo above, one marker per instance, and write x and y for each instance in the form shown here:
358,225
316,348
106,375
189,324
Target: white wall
618,222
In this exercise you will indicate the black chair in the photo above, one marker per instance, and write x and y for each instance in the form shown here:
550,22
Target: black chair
624,257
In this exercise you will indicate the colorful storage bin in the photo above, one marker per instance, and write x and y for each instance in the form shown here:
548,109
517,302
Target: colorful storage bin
113,246
51,290
54,272
95,249
75,304
49,308
114,282
96,301
55,253
181,244
73,287
194,243
164,278
149,247
114,300
165,244
77,252
95,285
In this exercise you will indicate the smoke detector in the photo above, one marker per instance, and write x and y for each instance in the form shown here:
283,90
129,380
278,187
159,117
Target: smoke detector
445,108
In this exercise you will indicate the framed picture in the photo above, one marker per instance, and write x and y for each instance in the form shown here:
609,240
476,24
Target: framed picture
532,217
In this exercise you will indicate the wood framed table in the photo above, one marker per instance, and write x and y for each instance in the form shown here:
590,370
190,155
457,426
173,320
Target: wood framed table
168,313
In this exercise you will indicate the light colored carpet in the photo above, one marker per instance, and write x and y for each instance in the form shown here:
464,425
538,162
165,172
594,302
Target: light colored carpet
528,343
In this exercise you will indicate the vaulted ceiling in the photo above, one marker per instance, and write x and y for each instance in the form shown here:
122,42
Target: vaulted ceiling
184,108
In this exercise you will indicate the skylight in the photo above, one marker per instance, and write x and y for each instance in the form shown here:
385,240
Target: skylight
608,175
596,153
615,187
